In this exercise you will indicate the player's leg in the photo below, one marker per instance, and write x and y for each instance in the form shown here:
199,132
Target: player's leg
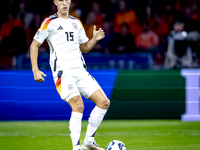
90,89
77,106
96,117
100,99
97,114
66,87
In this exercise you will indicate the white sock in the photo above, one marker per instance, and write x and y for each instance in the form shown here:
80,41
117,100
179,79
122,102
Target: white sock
94,121
77,147
75,127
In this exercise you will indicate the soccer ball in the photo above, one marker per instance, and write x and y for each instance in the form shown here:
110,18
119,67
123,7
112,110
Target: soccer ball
116,145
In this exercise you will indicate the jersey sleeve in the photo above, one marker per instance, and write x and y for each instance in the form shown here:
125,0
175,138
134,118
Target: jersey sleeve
82,35
43,31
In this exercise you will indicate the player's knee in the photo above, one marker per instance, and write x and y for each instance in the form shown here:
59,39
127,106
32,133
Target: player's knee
76,104
80,108
105,104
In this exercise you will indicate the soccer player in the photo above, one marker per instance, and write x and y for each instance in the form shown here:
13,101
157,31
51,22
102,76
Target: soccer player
67,40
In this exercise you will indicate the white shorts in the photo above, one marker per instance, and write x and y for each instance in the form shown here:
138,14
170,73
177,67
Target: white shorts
73,82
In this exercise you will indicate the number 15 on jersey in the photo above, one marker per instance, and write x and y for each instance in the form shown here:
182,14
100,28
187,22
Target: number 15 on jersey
70,36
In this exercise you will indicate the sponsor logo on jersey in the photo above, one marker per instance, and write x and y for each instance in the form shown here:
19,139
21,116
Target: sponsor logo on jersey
75,26
60,28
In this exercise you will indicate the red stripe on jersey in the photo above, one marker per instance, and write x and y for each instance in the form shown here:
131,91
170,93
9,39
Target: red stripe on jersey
81,23
58,85
45,24
58,82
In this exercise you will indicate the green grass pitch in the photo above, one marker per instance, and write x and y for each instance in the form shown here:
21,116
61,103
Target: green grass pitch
136,134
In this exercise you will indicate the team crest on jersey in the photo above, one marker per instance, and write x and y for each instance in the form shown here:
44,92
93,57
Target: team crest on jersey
75,26
70,87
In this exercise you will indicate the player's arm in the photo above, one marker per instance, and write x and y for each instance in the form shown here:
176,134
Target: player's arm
97,35
38,75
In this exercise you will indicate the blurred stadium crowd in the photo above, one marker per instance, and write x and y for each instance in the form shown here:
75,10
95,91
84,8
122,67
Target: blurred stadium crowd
145,34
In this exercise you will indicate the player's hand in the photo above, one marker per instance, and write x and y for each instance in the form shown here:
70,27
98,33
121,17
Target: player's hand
99,34
38,76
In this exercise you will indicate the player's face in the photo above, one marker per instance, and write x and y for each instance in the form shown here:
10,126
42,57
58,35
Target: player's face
62,5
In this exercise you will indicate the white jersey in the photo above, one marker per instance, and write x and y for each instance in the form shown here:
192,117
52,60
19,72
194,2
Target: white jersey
64,37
